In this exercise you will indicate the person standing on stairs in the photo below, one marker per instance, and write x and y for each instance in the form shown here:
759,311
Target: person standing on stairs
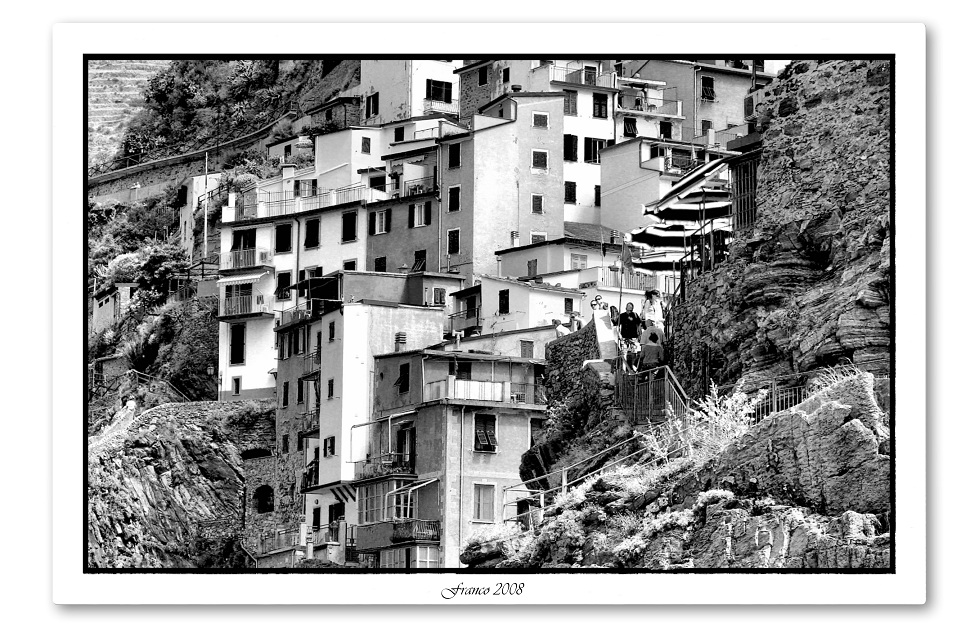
630,325
653,314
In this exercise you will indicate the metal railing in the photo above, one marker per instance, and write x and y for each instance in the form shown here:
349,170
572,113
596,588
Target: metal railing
468,389
384,464
311,362
416,530
245,258
309,420
311,476
465,319
243,305
610,278
581,76
628,104
744,186
278,540
430,106
527,393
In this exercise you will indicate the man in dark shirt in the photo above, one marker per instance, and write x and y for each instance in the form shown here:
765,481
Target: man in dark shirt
630,325
652,354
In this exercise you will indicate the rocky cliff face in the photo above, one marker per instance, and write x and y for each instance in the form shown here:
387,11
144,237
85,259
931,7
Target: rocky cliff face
156,481
808,487
809,285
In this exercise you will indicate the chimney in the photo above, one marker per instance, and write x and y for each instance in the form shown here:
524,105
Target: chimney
288,171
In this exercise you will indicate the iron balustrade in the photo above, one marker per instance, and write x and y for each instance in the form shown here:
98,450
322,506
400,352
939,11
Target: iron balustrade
311,362
465,319
659,106
406,530
384,464
582,76
431,105
309,420
278,540
311,476
610,278
242,305
527,393
245,258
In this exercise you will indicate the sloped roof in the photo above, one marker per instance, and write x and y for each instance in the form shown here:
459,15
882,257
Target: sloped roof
586,231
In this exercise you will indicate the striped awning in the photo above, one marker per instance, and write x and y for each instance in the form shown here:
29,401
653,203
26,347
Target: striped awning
657,235
344,494
238,280
694,181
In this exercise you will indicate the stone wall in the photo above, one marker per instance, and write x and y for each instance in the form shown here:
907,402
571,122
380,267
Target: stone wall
565,357
809,285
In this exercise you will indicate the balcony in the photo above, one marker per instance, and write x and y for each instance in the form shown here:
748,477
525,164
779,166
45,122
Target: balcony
311,362
308,310
464,320
248,305
279,540
311,476
409,530
385,464
629,105
612,278
430,106
309,421
582,76
480,390
245,258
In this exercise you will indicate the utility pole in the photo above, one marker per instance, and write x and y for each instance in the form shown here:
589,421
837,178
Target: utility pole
204,256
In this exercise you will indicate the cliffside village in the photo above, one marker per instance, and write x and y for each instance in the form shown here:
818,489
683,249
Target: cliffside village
395,296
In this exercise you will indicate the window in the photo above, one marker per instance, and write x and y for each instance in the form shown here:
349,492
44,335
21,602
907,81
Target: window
537,203
598,196
420,260
287,151
379,221
300,392
282,282
263,499
329,446
707,88
570,192
236,386
599,106
399,134
333,331
393,559
455,155
350,264
484,498
506,75
504,302
455,193
568,305
377,182
420,215
304,188
536,237
629,127
329,388
373,104
591,73
666,129
570,102
403,382
371,504
312,233
484,429
539,159
348,227
438,294
285,443
283,238
438,90
452,237
237,353
592,147
540,120
425,556
532,268
706,125
483,77
461,370
570,148
380,264
285,394
526,348
578,261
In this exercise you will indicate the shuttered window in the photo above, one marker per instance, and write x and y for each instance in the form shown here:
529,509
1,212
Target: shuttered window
455,155
504,302
570,192
485,433
438,90
570,148
453,242
312,233
484,497
629,127
537,203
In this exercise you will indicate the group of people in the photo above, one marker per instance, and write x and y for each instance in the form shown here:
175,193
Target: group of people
640,334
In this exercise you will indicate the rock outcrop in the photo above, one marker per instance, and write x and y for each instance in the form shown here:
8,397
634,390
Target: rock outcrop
158,479
808,487
809,284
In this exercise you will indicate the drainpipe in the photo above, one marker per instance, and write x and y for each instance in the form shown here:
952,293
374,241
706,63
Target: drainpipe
462,444
438,197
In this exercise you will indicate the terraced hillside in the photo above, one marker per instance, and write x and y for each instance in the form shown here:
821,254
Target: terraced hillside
115,91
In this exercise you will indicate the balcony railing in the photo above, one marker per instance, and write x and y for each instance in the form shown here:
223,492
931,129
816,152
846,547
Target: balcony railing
311,362
612,278
659,106
479,390
465,319
406,530
431,106
582,76
309,420
243,305
384,464
245,258
311,476
278,540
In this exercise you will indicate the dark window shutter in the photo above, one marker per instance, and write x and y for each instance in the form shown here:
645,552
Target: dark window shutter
295,189
448,92
302,286
411,215
428,88
372,223
428,212
387,220
312,187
